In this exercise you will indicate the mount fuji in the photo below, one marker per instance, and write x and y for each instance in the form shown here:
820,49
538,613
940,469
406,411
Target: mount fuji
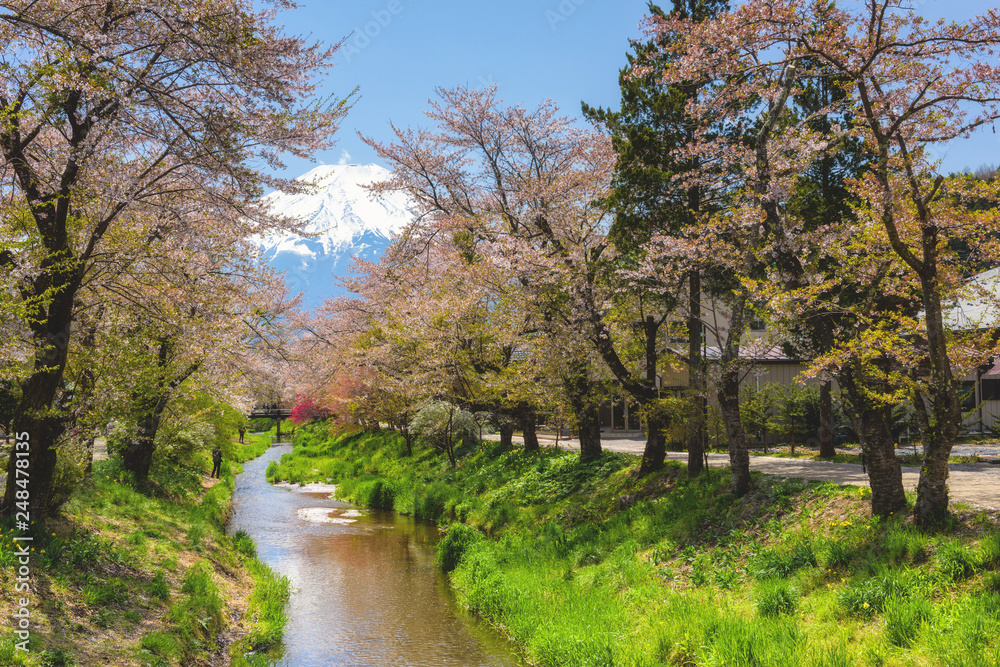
347,221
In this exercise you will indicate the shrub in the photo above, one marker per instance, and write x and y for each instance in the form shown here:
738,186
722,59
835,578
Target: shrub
430,501
989,551
158,587
260,425
69,470
768,564
836,554
903,619
868,596
776,597
752,643
726,577
955,561
378,493
243,544
439,424
455,543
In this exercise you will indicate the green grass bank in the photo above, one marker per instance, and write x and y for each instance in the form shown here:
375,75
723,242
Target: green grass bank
584,564
127,578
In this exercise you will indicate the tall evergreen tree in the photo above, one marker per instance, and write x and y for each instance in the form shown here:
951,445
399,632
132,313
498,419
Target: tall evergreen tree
823,198
647,132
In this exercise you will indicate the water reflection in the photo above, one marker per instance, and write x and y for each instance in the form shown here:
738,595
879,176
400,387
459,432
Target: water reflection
365,592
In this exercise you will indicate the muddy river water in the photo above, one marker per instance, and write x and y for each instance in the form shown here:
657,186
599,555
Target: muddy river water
365,588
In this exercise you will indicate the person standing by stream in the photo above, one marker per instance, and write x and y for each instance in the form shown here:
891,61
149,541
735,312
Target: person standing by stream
216,461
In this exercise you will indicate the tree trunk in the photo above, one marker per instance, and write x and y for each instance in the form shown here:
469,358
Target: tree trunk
923,419
655,452
729,398
36,476
590,432
729,403
404,430
578,390
696,380
874,422
506,433
451,439
138,456
643,391
826,441
528,424
932,489
35,415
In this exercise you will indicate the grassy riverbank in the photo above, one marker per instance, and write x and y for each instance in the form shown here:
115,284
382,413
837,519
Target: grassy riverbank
583,564
127,578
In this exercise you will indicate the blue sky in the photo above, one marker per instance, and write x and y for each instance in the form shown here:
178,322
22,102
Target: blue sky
398,51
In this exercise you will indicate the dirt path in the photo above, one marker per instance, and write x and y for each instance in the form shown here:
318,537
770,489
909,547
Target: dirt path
100,449
970,483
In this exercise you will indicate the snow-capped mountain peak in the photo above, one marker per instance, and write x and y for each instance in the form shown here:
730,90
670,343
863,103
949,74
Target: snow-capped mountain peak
339,208
346,219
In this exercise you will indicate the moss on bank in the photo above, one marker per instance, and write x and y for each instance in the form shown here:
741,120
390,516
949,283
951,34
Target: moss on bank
585,564
129,578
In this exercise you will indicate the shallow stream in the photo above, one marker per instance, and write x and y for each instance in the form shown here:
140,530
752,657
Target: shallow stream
365,588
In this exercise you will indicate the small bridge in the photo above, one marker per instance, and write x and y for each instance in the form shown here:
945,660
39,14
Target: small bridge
275,412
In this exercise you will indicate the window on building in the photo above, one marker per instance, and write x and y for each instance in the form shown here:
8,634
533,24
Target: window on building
990,390
968,395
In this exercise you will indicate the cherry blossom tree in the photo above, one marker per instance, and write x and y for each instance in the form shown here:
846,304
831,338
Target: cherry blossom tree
121,106
448,326
909,84
306,410
171,312
517,187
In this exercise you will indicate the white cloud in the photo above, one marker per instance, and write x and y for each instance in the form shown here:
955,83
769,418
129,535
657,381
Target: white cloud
345,157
